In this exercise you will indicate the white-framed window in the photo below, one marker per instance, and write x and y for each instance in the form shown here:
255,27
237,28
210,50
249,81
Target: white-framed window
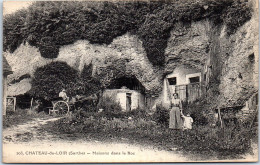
193,78
172,81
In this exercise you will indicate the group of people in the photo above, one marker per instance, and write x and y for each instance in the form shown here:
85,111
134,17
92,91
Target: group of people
177,119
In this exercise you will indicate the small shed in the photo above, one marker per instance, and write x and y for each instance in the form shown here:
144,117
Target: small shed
127,98
128,92
7,70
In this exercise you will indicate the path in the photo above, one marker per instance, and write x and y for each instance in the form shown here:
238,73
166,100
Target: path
25,142
27,131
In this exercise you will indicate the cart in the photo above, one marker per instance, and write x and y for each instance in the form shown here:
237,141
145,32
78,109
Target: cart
61,107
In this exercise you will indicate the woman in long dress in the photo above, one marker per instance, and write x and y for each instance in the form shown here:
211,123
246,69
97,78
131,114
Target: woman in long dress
175,121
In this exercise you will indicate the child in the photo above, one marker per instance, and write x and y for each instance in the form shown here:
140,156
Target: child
187,122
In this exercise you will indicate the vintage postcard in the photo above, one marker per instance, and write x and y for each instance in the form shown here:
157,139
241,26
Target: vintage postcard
130,81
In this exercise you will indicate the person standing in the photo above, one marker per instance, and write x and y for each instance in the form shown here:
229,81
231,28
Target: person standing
175,121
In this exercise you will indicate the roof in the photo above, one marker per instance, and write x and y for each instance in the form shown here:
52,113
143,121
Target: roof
6,67
19,88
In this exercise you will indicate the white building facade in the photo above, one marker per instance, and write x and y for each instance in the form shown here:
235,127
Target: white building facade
184,80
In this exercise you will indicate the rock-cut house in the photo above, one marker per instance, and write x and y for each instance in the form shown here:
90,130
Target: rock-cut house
128,92
184,80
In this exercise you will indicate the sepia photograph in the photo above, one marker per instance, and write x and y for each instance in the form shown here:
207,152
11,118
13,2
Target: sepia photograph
137,81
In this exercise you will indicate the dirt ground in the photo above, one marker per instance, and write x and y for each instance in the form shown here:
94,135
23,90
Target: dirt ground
28,143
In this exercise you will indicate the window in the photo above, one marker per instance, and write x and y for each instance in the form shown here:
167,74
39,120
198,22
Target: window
194,79
251,58
172,81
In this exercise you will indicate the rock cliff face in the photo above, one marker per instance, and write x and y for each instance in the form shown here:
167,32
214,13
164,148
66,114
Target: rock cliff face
124,57
188,45
234,58
239,74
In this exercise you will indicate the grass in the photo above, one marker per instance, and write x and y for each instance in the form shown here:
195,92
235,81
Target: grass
202,142
20,116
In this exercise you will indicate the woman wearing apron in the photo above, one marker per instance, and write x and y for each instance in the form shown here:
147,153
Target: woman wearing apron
175,121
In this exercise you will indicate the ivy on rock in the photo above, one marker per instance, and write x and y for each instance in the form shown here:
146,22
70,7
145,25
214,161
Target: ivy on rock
50,79
50,25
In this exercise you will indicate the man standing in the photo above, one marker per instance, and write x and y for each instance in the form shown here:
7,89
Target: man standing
63,95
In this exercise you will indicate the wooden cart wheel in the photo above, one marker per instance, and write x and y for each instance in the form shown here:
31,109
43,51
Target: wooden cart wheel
61,107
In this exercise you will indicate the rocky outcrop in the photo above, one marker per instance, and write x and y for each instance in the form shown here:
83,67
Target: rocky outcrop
124,57
239,76
188,45
234,58
24,61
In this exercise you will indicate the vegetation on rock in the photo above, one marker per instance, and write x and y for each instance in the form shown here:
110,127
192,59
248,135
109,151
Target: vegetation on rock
50,79
50,25
89,83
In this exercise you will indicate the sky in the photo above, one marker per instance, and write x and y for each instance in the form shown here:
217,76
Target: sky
10,7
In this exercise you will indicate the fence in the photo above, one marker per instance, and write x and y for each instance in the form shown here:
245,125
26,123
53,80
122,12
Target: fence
190,92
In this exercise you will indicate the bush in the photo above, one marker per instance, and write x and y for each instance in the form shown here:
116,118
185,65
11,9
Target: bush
86,106
90,84
137,113
23,101
229,141
69,126
198,111
13,33
49,80
110,107
234,140
204,140
161,115
199,117
126,124
82,121
81,114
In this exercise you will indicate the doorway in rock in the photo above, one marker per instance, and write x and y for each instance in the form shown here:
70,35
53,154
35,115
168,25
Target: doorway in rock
128,102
